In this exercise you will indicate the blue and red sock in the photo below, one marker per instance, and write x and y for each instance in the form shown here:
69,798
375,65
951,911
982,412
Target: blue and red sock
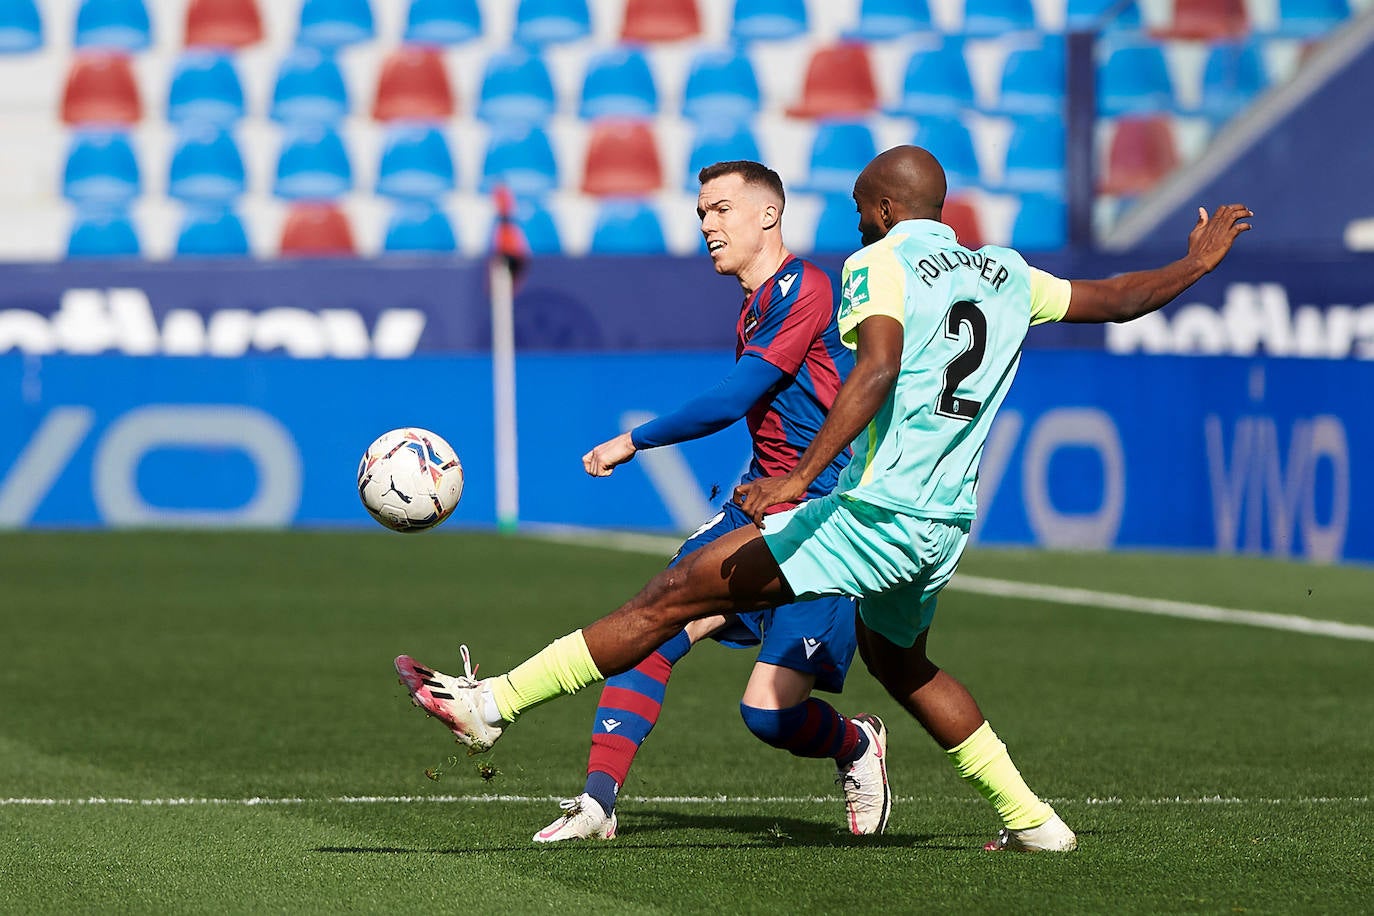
809,729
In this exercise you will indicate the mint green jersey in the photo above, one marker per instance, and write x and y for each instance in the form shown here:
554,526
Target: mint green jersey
964,315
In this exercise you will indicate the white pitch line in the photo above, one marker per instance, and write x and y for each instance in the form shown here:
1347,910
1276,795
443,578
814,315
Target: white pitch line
98,802
1029,591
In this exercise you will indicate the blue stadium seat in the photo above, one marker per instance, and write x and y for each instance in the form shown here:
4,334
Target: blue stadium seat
212,232
721,86
539,226
522,159
103,234
883,19
310,89
205,88
417,228
619,84
313,165
721,142
335,23
1041,223
119,24
516,89
102,168
206,166
998,17
839,152
837,230
627,226
1033,79
443,22
416,163
1035,160
1310,18
21,28
1092,15
1133,79
949,139
936,82
767,20
542,22
1233,75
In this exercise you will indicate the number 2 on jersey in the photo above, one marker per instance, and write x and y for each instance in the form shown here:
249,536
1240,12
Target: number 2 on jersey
963,314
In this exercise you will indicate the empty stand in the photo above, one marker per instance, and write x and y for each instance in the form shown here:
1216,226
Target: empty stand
101,169
419,229
443,22
961,215
1092,15
627,227
883,19
768,20
335,23
936,82
120,25
839,84
223,24
1141,152
101,89
318,230
1041,223
998,17
206,88
1310,18
720,142
660,20
516,88
206,167
1207,20
415,164
211,232
103,234
538,225
1035,157
21,27
1033,80
839,152
1134,78
951,142
309,89
619,84
837,229
542,22
313,165
522,159
721,86
622,160
414,86
1232,77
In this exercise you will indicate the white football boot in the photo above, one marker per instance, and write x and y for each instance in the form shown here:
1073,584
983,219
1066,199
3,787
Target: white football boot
1052,836
864,782
583,819
455,701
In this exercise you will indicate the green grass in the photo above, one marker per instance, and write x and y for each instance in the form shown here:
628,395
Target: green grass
233,666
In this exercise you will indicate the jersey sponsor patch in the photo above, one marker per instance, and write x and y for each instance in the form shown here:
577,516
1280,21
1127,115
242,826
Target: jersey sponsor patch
856,288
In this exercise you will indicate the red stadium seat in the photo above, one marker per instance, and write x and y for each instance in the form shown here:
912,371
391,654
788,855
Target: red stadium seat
101,90
1207,20
316,230
839,83
1142,151
622,160
414,86
661,20
961,215
223,24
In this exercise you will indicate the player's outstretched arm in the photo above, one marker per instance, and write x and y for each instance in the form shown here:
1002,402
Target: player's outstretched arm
1141,292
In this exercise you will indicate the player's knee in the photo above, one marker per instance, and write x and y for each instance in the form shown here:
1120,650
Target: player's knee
768,725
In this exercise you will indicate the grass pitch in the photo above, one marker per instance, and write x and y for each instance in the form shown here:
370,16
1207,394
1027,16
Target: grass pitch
209,723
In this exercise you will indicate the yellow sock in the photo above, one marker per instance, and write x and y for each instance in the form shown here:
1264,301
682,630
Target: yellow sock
982,759
563,667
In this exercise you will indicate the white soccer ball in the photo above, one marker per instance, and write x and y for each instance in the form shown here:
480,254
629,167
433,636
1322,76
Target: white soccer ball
410,479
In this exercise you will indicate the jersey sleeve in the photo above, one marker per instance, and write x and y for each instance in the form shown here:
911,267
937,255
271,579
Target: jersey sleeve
874,284
1049,297
794,316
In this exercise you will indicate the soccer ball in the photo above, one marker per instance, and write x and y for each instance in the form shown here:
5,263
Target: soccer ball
410,479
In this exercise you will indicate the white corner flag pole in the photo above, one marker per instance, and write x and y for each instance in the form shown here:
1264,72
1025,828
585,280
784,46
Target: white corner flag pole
503,392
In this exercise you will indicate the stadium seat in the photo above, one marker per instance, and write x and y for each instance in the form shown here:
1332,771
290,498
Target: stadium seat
318,230
120,25
987,18
883,19
205,88
21,27
1101,15
622,160
949,139
1033,80
538,225
1141,152
414,86
417,228
516,89
720,86
101,168
310,89
416,163
103,234
521,158
768,20
627,227
1231,79
223,24
1310,18
839,84
660,20
720,142
936,82
208,232
542,22
313,165
443,22
961,215
335,23
101,90
1206,20
1036,156
206,166
839,153
1041,223
837,229
618,84
1134,79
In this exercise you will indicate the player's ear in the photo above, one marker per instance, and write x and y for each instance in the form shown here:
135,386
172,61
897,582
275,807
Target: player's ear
771,215
885,213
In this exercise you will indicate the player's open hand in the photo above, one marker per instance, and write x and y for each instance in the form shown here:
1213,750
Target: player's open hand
1213,236
759,495
609,455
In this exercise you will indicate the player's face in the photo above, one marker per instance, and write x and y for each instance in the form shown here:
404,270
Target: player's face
733,215
872,226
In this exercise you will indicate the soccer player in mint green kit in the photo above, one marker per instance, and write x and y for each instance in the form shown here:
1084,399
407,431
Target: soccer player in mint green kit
937,331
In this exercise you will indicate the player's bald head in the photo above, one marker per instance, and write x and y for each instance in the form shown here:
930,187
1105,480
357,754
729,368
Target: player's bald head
905,182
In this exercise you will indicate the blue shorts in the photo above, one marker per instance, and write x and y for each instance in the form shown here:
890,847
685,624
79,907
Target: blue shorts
815,637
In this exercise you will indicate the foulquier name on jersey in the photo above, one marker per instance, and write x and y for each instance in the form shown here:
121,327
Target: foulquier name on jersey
930,267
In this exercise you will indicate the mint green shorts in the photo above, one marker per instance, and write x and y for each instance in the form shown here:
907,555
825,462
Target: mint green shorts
894,563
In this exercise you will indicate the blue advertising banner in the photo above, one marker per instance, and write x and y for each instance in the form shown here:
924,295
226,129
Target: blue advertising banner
1091,450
